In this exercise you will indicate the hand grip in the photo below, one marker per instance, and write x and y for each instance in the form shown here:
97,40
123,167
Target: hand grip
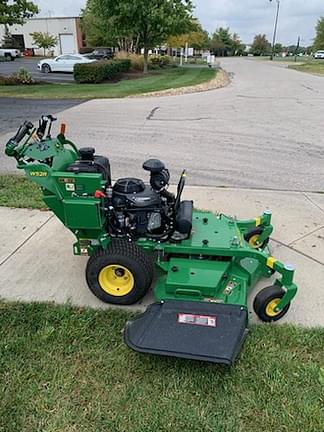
22,132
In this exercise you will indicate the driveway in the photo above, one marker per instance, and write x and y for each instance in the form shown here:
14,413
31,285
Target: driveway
8,68
265,130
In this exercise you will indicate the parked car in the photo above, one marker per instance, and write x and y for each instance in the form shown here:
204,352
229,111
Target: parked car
11,53
62,63
101,53
319,54
29,52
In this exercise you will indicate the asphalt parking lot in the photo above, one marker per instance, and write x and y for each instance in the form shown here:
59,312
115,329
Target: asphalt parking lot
13,111
8,68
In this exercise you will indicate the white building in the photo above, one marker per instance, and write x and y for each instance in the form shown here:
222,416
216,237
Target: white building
67,30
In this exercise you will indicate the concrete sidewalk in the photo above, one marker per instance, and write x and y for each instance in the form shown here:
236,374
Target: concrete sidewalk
37,263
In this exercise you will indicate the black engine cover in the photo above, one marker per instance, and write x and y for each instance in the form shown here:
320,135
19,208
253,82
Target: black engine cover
133,193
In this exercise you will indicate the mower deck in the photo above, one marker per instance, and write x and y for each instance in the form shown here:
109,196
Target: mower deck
191,330
211,265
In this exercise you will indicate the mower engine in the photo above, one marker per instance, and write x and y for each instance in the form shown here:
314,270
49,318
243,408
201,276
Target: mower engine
143,209
135,209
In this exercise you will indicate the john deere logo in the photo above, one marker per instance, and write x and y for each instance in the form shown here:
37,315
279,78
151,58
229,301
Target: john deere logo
38,173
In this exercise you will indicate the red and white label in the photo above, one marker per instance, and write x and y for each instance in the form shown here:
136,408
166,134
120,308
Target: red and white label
201,320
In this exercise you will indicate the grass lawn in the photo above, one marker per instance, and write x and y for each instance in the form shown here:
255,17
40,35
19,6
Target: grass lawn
161,80
316,67
67,369
287,59
18,191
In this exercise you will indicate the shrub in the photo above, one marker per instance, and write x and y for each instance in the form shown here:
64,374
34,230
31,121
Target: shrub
23,76
137,61
159,60
123,64
99,71
8,80
89,72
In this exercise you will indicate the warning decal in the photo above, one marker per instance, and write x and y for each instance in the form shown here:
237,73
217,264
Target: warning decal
202,320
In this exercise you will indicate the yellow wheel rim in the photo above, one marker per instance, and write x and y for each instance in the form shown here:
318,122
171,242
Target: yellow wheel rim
254,241
116,280
271,306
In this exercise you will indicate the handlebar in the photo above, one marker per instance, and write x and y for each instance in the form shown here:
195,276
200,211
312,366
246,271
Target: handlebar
15,140
40,133
21,133
43,124
180,188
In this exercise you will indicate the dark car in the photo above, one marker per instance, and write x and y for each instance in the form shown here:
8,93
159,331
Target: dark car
101,53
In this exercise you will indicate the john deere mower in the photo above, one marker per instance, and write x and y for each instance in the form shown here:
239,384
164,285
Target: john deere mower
205,263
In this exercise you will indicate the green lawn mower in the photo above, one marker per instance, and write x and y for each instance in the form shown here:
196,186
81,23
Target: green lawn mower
204,264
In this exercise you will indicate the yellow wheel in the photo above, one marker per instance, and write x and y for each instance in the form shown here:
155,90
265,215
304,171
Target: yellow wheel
116,280
271,307
122,274
266,302
253,238
254,241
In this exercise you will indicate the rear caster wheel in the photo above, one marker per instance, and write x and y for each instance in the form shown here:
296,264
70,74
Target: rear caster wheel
122,274
266,301
253,236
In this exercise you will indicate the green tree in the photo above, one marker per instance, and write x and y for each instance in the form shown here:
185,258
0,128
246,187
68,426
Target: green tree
222,42
278,48
148,23
7,40
294,50
14,12
260,46
196,39
102,31
319,38
237,45
44,40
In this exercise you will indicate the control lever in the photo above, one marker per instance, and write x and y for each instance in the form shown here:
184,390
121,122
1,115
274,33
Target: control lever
45,119
21,133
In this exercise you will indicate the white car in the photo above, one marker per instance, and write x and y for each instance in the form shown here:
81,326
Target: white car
62,63
319,55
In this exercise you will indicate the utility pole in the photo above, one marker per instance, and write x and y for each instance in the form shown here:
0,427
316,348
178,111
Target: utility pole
275,29
297,48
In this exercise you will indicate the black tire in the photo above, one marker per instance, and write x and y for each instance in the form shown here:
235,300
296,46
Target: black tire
46,68
263,300
9,56
252,234
130,257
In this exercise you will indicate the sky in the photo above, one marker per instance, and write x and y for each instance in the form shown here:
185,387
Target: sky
245,17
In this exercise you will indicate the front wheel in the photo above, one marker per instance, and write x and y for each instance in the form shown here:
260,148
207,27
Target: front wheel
253,238
46,68
122,274
266,301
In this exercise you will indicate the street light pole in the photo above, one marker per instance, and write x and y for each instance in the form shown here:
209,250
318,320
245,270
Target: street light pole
275,29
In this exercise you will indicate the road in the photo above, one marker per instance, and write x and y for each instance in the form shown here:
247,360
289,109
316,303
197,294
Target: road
265,130
13,111
8,68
